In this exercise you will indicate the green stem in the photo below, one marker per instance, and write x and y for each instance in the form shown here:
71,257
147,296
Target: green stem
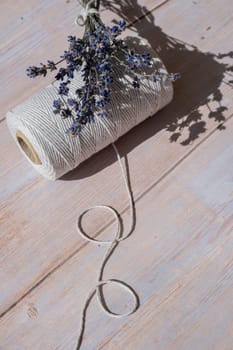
93,20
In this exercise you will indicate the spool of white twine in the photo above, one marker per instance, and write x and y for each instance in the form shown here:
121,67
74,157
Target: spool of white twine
40,134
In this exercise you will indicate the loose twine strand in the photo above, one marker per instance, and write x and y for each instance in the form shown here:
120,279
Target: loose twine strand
118,237
98,289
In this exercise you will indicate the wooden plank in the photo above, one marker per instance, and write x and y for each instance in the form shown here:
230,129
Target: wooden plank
179,259
36,235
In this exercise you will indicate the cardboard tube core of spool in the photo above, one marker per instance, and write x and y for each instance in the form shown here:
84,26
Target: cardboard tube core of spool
27,147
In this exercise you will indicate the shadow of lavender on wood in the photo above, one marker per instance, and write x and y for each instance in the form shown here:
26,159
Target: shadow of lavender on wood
202,74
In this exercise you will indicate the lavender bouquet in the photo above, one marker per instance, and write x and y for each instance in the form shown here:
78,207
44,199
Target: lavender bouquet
94,56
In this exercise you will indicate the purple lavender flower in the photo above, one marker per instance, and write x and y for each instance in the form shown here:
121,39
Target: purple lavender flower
174,76
57,105
63,89
51,65
34,71
65,113
136,83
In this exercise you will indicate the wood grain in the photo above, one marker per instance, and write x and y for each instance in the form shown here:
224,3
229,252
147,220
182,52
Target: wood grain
36,235
180,169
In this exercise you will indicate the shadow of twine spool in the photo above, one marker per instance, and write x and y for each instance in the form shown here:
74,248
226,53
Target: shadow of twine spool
27,147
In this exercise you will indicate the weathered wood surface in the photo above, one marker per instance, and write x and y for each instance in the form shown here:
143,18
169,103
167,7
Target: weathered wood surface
179,258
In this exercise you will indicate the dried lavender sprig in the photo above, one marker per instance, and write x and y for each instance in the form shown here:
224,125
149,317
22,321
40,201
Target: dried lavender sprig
93,55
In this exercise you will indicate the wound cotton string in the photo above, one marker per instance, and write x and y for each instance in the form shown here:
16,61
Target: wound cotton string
41,134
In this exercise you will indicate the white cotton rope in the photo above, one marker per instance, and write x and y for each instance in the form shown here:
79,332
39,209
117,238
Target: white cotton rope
118,237
59,153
